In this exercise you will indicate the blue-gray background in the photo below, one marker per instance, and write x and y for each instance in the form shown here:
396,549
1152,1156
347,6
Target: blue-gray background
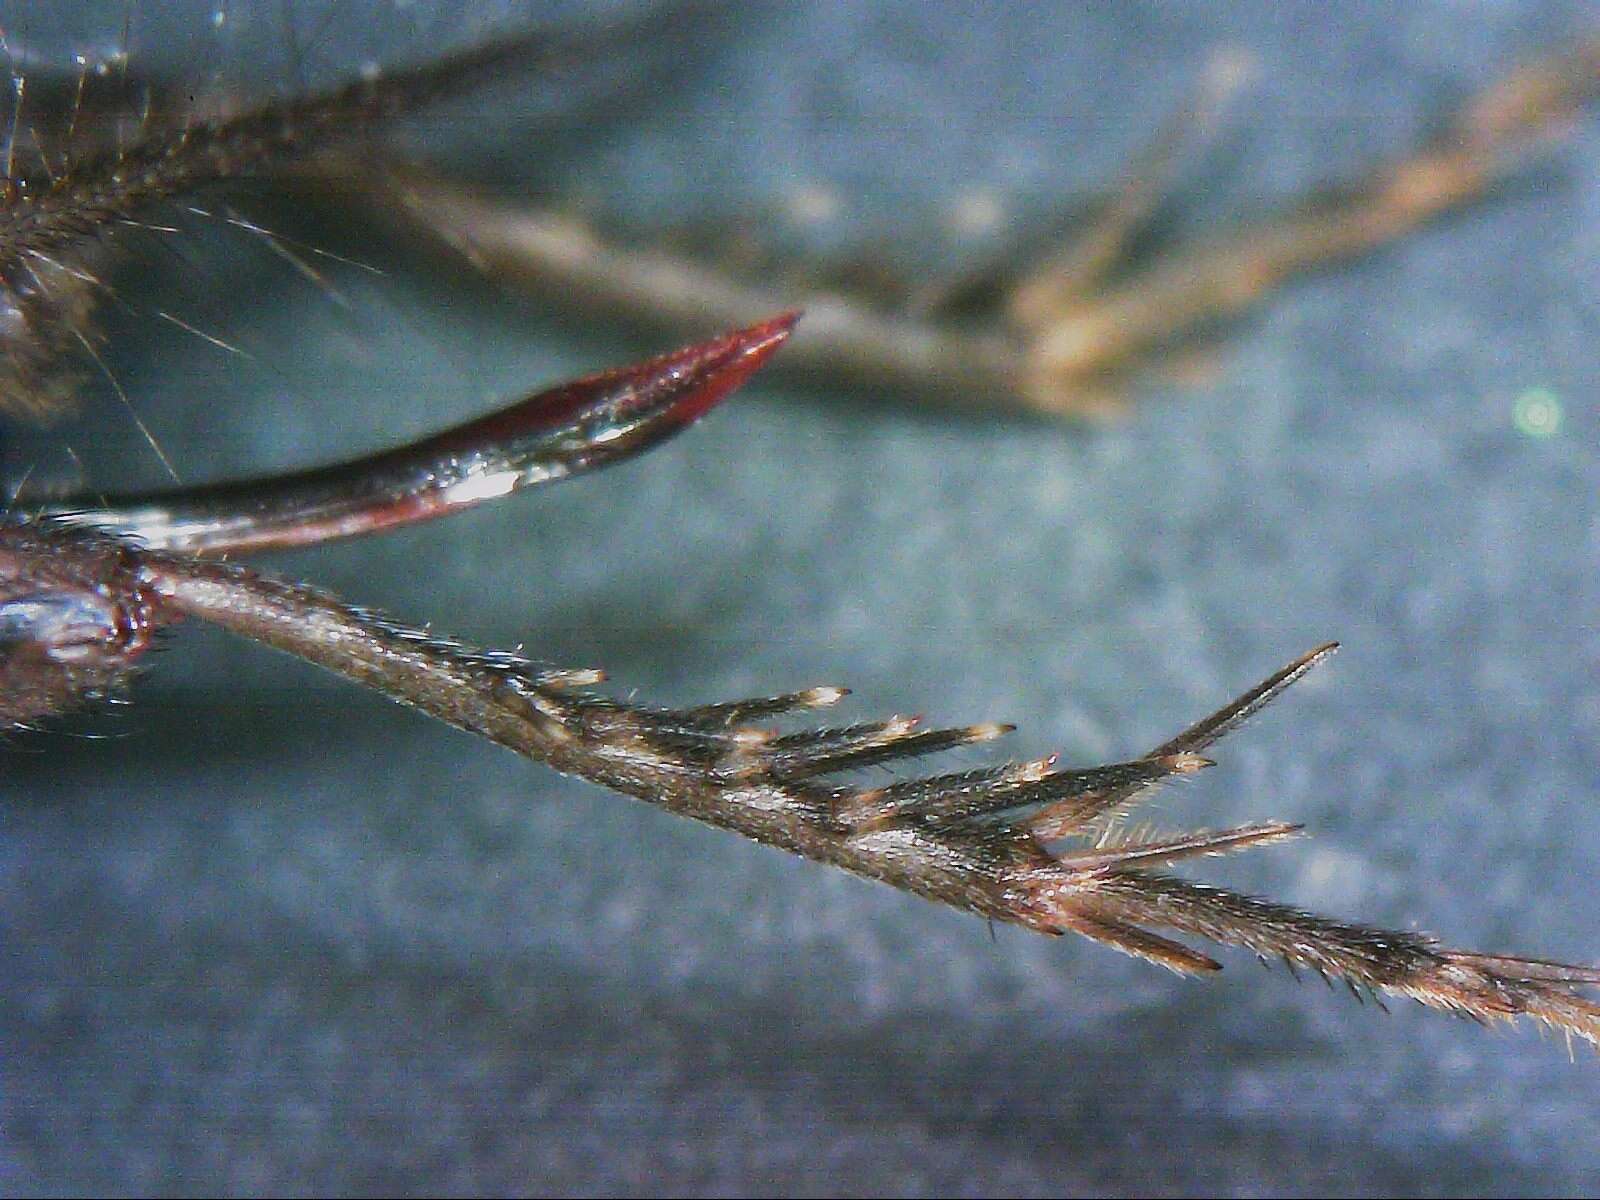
271,934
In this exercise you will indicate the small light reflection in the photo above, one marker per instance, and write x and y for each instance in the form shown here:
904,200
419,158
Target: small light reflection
1537,413
976,213
812,204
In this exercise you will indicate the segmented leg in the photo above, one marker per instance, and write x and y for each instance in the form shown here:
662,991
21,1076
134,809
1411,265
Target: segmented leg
59,208
78,608
1054,338
975,841
75,619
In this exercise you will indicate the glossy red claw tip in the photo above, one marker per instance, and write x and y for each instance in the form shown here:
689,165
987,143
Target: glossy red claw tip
628,408
694,380
569,429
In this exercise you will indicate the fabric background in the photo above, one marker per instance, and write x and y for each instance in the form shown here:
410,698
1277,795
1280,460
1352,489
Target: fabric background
265,934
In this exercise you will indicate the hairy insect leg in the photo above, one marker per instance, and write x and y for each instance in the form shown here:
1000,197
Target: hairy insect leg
1059,339
76,617
772,790
550,252
1081,264
1079,339
59,214
77,608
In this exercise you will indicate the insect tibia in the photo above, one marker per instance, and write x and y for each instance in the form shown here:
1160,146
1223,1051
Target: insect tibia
954,839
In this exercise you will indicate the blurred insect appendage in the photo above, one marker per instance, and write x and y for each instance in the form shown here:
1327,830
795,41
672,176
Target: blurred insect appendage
130,507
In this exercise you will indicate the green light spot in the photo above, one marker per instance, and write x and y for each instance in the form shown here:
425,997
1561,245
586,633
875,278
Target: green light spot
1537,413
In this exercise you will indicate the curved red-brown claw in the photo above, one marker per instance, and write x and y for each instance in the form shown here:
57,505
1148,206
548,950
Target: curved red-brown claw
566,430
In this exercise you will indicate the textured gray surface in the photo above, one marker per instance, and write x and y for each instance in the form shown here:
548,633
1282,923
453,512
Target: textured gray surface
276,936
